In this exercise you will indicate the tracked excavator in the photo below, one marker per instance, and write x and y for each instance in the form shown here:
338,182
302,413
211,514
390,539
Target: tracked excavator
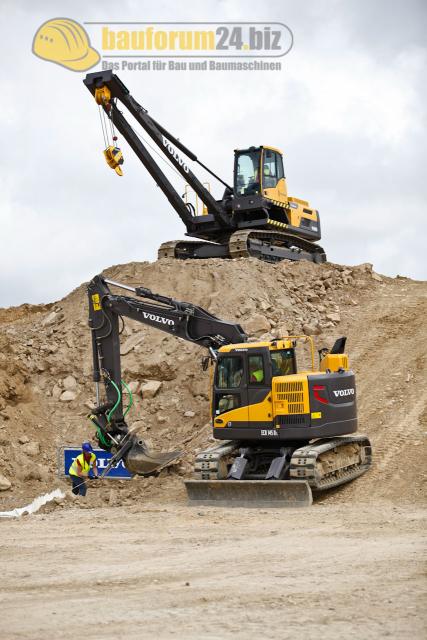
282,432
255,217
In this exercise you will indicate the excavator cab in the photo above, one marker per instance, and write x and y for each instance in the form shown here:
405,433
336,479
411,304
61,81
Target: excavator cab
259,171
261,195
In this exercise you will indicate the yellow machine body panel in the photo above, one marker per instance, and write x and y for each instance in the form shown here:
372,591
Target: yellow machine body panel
246,346
290,395
278,194
234,415
334,362
298,210
274,188
259,412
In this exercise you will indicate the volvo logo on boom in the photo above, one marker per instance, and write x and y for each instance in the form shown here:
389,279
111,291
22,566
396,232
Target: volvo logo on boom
154,318
174,154
343,392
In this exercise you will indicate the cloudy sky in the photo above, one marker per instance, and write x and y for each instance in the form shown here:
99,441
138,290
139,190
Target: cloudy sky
348,109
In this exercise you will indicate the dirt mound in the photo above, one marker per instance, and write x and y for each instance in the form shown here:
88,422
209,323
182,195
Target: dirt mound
45,378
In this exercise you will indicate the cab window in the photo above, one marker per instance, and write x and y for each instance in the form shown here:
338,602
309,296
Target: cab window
229,372
272,168
226,402
256,370
247,173
283,362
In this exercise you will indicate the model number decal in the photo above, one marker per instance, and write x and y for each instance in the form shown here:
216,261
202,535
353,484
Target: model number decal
269,432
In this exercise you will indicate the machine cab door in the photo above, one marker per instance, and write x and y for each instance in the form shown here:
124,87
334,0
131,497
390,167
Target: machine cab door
230,395
273,177
259,387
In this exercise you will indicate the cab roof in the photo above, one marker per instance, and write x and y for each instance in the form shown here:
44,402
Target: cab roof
272,345
263,146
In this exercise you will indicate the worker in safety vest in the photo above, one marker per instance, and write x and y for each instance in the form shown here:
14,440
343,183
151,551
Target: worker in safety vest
79,470
256,373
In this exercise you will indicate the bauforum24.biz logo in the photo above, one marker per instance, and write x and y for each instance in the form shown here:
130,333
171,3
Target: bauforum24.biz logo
159,46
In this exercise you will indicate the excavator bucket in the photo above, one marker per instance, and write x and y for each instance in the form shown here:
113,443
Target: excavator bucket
140,460
249,493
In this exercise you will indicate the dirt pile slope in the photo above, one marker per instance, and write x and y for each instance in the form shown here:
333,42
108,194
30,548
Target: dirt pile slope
45,376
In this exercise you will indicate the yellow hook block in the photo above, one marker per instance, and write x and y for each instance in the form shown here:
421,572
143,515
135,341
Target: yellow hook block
102,95
114,159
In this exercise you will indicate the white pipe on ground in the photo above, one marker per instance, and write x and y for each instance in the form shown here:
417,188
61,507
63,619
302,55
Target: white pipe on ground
34,506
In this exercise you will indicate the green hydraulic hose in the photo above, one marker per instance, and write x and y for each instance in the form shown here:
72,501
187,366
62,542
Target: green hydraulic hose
130,398
119,397
100,435
102,439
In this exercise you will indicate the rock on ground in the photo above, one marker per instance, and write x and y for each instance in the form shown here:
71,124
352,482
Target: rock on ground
5,483
151,388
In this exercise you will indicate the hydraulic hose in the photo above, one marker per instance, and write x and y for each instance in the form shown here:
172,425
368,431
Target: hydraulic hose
128,408
99,433
119,397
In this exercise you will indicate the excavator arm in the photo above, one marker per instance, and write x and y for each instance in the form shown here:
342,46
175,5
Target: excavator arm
107,88
181,319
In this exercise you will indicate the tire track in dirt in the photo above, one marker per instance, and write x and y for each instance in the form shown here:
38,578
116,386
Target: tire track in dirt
391,374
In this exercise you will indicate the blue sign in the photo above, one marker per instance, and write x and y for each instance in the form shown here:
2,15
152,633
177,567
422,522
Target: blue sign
102,459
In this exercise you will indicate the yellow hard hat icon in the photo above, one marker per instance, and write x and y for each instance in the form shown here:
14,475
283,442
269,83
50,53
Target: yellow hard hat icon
65,42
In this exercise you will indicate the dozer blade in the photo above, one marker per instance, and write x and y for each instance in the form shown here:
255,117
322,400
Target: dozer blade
140,460
249,493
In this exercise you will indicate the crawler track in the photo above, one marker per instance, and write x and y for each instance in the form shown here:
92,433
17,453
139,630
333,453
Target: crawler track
323,463
212,464
268,245
273,246
329,463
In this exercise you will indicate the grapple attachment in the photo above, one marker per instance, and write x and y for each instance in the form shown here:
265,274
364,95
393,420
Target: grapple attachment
249,493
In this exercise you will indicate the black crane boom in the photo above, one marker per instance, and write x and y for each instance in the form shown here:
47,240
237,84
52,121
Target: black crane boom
164,140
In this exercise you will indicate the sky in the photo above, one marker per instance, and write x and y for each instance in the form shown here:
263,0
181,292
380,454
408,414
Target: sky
348,109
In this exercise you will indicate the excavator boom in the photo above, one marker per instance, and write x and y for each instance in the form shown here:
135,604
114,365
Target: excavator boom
181,319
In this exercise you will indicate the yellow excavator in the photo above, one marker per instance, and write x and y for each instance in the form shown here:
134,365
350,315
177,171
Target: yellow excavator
255,216
282,432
